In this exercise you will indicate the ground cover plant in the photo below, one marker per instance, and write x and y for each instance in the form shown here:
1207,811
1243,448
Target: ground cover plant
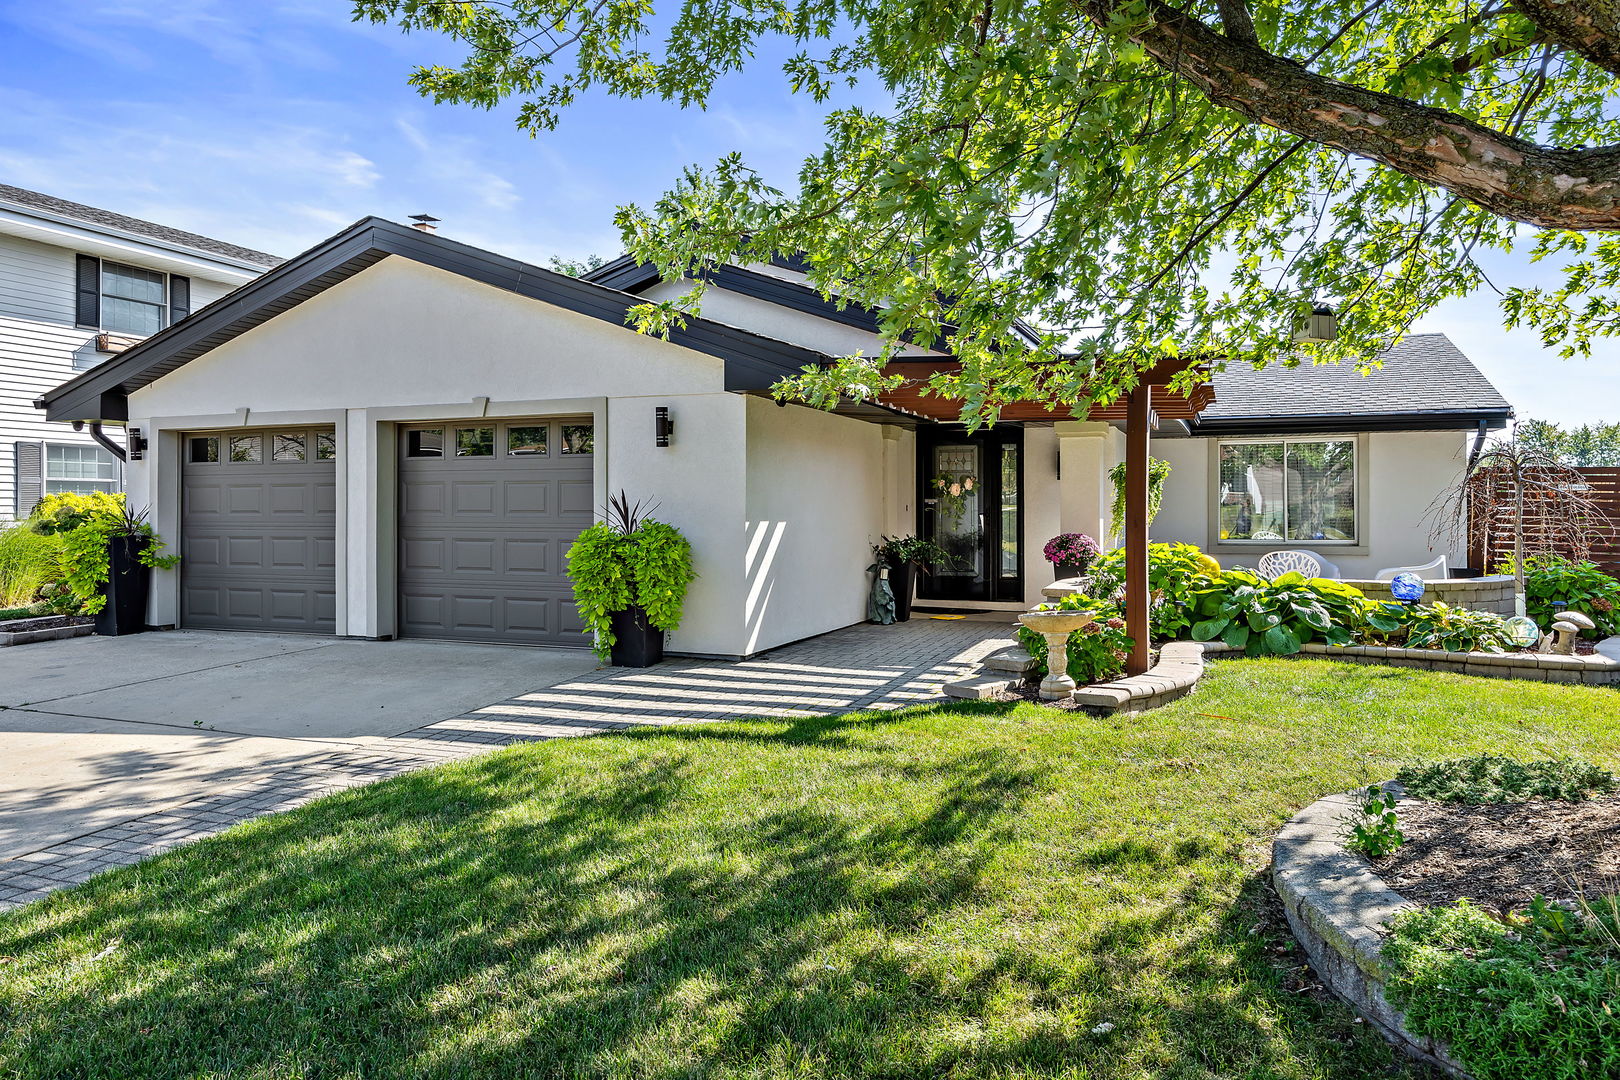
1579,586
1495,778
1521,997
979,890
1275,618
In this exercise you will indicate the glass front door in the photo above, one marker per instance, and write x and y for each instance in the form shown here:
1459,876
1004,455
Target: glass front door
970,499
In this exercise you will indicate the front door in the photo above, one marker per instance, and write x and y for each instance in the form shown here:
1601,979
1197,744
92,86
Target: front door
972,507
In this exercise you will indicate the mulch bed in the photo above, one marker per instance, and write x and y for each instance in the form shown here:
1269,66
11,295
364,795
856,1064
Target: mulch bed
1031,691
1503,854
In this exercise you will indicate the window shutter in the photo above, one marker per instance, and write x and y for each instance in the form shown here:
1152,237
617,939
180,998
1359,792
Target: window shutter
30,464
87,311
179,298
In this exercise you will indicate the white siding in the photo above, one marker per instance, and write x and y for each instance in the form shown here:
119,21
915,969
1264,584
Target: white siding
40,348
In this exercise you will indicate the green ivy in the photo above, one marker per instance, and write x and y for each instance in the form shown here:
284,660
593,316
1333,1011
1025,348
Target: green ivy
1158,472
85,526
612,570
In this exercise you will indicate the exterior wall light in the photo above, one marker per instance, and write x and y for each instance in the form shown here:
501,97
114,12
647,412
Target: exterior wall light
1320,325
663,425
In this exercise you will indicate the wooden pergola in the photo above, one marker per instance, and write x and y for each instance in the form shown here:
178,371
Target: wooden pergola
1140,411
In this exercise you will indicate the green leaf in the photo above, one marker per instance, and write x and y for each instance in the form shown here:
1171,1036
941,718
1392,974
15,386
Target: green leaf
1236,635
1280,640
1209,629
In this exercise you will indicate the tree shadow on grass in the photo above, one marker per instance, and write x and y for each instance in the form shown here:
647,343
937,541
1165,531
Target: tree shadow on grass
634,910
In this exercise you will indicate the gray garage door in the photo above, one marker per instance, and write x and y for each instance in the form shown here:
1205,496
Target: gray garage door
487,513
258,531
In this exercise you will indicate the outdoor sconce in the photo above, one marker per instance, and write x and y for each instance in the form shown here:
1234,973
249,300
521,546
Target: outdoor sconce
663,425
1407,588
1320,325
136,442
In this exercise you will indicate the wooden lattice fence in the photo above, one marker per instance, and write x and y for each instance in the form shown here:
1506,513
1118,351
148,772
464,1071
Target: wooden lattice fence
1541,535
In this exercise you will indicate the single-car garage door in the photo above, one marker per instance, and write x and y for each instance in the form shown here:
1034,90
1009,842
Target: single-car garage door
258,522
488,510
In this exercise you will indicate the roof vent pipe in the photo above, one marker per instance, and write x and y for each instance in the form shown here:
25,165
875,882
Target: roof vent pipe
425,223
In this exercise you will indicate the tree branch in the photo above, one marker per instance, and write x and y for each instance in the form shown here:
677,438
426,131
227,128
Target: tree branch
1590,30
1236,22
1518,179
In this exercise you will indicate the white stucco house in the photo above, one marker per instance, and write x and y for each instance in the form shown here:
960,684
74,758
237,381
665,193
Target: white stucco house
78,285
395,434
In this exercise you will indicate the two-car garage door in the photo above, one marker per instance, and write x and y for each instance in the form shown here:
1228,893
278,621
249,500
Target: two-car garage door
487,511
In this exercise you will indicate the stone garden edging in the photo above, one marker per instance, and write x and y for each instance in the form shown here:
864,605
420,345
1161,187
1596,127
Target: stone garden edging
44,628
1594,670
1335,906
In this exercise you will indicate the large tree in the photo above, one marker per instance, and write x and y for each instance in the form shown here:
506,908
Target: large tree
1135,178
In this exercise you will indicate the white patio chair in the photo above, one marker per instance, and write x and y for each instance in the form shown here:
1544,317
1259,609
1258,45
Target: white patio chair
1330,570
1274,564
1426,571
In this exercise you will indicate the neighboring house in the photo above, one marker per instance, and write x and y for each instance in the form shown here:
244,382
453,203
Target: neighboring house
78,285
395,434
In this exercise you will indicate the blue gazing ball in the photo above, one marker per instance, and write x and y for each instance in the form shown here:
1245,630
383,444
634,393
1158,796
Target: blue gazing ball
1407,588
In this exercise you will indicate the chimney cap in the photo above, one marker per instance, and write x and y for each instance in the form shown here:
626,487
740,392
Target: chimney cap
425,222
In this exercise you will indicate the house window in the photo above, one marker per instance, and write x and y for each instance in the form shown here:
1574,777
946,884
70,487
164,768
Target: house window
1288,490
132,299
80,470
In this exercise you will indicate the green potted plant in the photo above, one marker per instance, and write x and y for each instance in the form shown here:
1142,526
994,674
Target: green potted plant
630,575
108,552
903,556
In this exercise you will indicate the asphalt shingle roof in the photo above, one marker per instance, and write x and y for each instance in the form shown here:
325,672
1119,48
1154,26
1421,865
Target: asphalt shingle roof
93,216
1423,373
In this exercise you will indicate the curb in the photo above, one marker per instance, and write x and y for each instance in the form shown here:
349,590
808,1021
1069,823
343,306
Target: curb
1336,907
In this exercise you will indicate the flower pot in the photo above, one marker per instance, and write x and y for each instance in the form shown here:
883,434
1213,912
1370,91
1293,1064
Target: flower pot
129,583
1070,570
902,577
637,642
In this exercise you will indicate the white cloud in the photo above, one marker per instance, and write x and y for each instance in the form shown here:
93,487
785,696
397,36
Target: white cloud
454,161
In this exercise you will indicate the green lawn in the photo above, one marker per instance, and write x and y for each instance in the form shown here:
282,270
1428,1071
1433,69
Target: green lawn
952,891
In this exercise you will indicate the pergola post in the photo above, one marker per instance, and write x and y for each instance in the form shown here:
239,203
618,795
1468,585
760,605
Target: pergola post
1138,424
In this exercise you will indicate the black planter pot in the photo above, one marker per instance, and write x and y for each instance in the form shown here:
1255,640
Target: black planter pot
1069,570
637,642
129,583
901,578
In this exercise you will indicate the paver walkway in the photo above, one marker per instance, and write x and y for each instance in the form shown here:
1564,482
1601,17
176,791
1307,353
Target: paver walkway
863,667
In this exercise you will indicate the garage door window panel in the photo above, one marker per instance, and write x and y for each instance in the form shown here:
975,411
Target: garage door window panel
287,447
425,443
475,442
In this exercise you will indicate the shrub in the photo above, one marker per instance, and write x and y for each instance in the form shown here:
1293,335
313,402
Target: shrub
1275,618
1491,778
1096,652
84,525
897,551
1440,626
28,562
1579,585
1174,571
1523,1000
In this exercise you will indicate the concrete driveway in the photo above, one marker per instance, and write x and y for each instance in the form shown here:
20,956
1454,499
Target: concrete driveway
96,730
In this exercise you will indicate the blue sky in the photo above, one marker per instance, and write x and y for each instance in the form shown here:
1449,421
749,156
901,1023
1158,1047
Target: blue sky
274,123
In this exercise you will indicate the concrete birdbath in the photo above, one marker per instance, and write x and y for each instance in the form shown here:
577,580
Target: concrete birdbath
1055,627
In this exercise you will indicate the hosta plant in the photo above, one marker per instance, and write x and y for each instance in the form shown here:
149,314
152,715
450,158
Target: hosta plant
1579,586
1275,618
1440,626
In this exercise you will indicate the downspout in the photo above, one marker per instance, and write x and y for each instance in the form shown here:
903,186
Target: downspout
1473,455
1468,509
101,438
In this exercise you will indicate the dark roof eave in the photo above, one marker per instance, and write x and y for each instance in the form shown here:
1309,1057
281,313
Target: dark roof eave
752,361
1319,423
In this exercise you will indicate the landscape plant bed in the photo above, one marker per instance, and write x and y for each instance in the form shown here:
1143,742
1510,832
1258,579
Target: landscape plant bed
43,628
1502,855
